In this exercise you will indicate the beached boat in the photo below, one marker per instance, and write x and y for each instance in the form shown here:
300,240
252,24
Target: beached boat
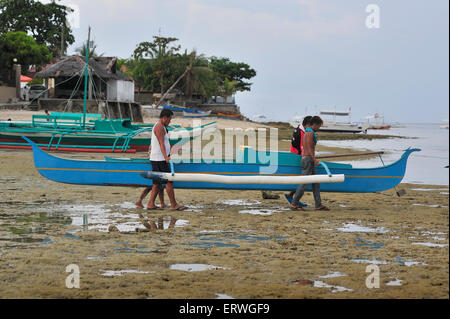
198,114
229,116
55,132
249,163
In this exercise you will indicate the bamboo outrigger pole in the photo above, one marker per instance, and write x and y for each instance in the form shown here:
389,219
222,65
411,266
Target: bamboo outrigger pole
350,155
86,71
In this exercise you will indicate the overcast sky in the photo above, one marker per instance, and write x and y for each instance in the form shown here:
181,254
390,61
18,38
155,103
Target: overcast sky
307,53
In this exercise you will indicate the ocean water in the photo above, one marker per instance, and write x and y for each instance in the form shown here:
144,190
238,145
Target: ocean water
425,167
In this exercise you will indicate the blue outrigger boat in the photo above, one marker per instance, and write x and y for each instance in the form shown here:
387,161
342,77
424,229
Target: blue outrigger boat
131,172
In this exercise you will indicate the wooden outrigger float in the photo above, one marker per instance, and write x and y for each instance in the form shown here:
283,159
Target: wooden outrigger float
250,172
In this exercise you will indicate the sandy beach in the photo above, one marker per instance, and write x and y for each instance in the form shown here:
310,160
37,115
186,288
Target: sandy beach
227,244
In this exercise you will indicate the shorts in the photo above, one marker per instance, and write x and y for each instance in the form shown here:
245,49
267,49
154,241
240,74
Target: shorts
160,166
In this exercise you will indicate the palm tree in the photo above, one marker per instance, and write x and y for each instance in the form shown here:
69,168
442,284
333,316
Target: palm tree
228,89
92,47
199,76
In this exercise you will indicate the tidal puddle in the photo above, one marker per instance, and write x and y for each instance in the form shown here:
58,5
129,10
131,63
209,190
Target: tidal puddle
430,244
367,261
211,244
238,202
352,228
364,243
264,212
122,218
333,275
408,263
209,239
112,273
396,282
95,257
195,267
334,289
27,240
162,223
194,208
223,296
429,205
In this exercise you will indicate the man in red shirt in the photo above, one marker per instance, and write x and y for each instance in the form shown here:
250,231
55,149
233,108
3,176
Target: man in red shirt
308,164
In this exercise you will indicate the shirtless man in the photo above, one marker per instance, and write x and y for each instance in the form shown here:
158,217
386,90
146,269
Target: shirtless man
297,148
308,162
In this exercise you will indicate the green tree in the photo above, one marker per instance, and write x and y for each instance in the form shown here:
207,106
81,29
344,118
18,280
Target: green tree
47,23
233,71
20,46
159,65
162,58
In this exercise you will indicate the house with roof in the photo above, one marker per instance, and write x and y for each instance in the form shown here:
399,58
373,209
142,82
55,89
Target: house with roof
65,78
109,91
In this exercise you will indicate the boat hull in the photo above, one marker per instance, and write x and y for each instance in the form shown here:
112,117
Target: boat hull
89,140
112,172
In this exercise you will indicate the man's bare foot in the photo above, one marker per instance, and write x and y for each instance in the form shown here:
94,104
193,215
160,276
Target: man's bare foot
163,205
139,204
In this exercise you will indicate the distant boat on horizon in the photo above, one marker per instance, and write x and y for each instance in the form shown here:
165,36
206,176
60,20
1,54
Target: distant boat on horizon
377,124
332,125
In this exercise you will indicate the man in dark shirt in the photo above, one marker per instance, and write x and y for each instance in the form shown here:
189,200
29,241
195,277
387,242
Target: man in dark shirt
308,165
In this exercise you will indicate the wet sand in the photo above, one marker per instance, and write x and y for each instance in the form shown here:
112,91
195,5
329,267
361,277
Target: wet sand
259,248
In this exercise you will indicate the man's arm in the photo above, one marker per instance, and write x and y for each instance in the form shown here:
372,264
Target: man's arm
160,132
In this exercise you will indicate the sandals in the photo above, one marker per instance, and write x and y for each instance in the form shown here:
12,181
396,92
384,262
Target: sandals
297,208
179,208
153,208
289,199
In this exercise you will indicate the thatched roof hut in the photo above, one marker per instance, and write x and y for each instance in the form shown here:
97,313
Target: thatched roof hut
107,81
104,67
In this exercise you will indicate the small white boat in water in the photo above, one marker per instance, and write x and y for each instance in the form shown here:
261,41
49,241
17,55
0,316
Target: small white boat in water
332,125
378,123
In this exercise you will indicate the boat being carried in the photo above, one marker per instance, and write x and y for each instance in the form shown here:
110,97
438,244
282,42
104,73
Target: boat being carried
251,170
